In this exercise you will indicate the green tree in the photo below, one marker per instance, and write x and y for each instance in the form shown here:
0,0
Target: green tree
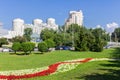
81,41
59,39
32,46
73,28
100,40
20,39
90,38
28,33
97,45
26,47
67,39
3,41
16,46
47,34
116,35
50,43
42,47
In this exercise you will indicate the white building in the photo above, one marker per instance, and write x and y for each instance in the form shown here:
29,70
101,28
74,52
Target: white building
18,27
37,26
75,17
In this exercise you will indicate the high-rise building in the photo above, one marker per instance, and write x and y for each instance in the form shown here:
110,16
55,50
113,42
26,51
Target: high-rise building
37,22
51,24
75,17
18,26
37,26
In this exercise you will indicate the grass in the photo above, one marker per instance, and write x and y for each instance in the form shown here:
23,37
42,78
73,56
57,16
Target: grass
15,62
88,71
83,72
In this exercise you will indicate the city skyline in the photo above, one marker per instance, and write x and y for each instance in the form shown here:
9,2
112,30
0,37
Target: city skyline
96,13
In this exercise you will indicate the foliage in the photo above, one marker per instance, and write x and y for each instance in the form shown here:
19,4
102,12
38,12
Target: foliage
20,39
97,45
32,46
81,41
100,39
47,34
73,28
42,47
87,39
67,39
28,33
27,47
16,46
59,38
3,41
116,35
50,43
90,38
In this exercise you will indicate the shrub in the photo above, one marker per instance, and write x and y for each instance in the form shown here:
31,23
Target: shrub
42,47
32,46
97,46
26,46
16,46
50,43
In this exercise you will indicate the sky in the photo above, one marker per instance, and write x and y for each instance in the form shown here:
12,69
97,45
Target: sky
105,13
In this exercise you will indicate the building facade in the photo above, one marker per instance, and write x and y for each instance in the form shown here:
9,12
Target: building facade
37,26
75,17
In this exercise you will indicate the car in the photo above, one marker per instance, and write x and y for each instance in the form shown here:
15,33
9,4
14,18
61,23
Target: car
66,48
5,50
107,47
10,50
35,49
59,48
1,49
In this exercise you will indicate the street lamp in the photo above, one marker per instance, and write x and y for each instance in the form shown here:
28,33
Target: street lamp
110,37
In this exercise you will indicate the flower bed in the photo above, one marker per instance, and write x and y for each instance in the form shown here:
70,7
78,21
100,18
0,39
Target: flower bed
29,73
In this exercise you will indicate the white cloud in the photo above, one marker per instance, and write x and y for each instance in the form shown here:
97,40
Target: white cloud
99,26
111,27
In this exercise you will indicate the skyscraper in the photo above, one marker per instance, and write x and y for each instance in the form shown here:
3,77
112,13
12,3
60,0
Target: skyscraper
18,26
75,17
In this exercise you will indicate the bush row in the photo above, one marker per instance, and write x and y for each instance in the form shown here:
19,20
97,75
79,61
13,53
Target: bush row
27,47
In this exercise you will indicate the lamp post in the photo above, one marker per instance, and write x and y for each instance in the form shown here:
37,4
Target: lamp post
72,37
110,37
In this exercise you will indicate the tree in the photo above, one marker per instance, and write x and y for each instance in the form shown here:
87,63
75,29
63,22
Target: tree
97,45
116,35
90,38
50,43
81,42
26,47
100,40
32,46
67,39
3,41
16,46
73,28
19,39
28,33
59,39
47,34
42,47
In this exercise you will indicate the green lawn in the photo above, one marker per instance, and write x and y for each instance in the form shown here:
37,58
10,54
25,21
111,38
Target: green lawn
88,71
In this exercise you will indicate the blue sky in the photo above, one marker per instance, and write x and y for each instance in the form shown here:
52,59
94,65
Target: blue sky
96,12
